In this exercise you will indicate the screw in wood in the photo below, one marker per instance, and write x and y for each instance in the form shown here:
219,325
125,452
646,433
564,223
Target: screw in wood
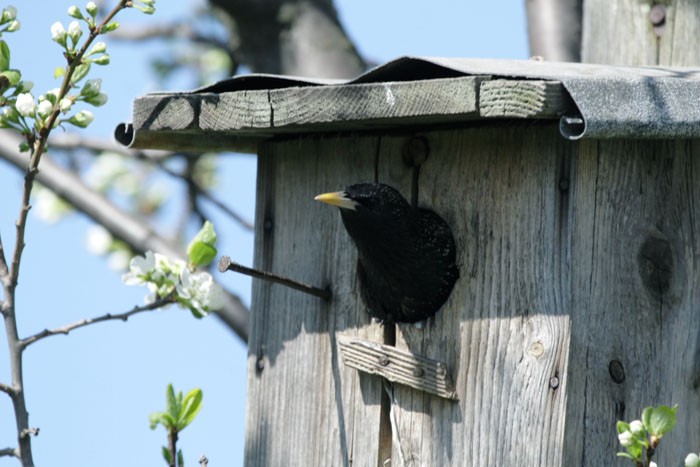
383,360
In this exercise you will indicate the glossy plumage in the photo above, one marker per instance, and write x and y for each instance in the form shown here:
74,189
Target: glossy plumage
406,256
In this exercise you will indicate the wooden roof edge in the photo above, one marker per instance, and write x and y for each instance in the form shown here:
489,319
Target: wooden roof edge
239,120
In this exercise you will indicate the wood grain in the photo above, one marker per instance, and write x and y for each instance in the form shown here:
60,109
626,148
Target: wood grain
637,341
504,331
397,366
304,406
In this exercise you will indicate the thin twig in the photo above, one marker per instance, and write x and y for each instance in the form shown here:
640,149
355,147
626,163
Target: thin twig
88,321
9,452
7,389
203,461
122,225
225,264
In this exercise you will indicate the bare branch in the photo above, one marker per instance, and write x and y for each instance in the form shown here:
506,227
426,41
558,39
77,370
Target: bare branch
7,389
9,452
88,321
71,141
174,30
3,263
139,236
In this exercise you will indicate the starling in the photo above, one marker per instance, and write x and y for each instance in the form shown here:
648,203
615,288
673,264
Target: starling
406,256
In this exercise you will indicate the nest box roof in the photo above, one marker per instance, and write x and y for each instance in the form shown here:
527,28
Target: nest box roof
590,101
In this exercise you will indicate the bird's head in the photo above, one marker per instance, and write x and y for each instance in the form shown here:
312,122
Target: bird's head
368,200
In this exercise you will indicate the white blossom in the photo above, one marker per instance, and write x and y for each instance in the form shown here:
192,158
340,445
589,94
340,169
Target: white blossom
65,104
58,33
636,427
45,108
74,31
625,438
25,105
91,8
692,460
14,26
9,13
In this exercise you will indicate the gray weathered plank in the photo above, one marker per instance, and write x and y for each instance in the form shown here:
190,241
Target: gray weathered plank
634,294
398,366
305,407
241,120
506,98
503,332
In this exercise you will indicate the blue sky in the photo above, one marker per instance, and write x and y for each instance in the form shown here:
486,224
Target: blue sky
91,392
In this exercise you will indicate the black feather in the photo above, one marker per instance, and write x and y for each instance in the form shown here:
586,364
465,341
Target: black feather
406,256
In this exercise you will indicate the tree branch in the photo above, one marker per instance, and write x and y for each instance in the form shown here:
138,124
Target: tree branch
27,341
71,141
9,452
139,236
175,30
7,389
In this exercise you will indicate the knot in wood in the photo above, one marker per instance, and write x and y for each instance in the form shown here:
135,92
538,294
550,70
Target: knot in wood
655,261
617,371
415,151
383,360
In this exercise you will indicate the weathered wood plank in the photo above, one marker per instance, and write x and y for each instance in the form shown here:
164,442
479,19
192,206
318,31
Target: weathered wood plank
305,407
423,374
634,294
504,331
395,103
241,120
505,98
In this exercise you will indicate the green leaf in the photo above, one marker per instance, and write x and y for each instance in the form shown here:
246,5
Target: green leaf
172,408
4,56
13,76
662,419
59,72
180,458
166,456
202,250
646,416
622,427
190,408
80,72
624,454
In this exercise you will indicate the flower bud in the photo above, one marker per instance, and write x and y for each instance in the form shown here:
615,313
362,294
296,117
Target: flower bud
8,14
74,12
45,108
14,26
98,48
101,60
91,8
25,105
82,119
74,31
636,427
65,104
58,33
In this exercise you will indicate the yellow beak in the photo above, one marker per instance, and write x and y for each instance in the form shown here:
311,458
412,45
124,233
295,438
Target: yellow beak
337,198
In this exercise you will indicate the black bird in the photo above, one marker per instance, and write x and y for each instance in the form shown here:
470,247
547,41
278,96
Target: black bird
406,255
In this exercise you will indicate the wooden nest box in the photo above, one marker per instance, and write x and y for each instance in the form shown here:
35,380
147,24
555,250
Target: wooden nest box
573,192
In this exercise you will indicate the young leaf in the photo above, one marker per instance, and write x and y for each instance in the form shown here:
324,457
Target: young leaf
202,250
172,407
662,420
166,456
190,408
80,72
4,56
180,458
